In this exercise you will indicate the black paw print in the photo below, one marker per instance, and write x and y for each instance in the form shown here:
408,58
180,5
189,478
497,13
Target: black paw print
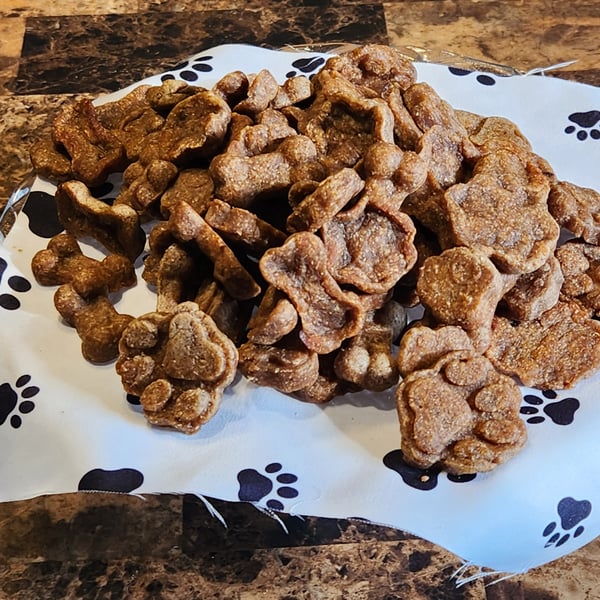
15,283
117,480
255,486
481,78
306,66
586,125
420,479
571,512
189,70
40,209
19,399
561,412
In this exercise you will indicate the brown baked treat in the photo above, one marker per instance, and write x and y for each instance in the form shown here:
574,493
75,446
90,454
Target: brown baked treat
534,293
98,324
240,180
177,278
194,129
421,346
328,198
144,184
232,87
94,150
283,368
63,262
376,67
502,211
194,186
555,351
274,318
292,91
344,120
370,249
576,208
130,118
461,414
262,90
243,227
159,239
116,227
366,360
187,225
580,263
50,160
462,287
328,314
231,316
178,363
164,97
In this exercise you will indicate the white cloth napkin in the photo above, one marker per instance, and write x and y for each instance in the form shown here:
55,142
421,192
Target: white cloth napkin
67,425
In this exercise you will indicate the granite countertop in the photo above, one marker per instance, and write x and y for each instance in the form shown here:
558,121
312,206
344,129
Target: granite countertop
169,546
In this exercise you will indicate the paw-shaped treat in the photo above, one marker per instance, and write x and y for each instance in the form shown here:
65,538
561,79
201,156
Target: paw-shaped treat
580,264
370,249
462,287
95,152
179,364
502,211
187,225
366,360
299,268
116,227
554,351
98,324
460,413
576,208
64,262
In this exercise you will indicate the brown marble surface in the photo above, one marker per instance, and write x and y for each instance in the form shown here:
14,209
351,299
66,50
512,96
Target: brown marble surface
116,546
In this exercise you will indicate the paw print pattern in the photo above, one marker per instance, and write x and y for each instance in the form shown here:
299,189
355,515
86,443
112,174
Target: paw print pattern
117,480
189,70
419,479
571,513
16,283
481,78
561,412
587,124
17,402
306,66
255,486
40,209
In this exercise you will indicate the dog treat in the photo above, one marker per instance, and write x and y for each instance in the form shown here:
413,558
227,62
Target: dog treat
178,363
460,413
96,321
555,351
187,225
576,209
274,318
63,262
502,212
534,293
462,287
580,264
115,227
421,346
327,313
282,368
194,186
